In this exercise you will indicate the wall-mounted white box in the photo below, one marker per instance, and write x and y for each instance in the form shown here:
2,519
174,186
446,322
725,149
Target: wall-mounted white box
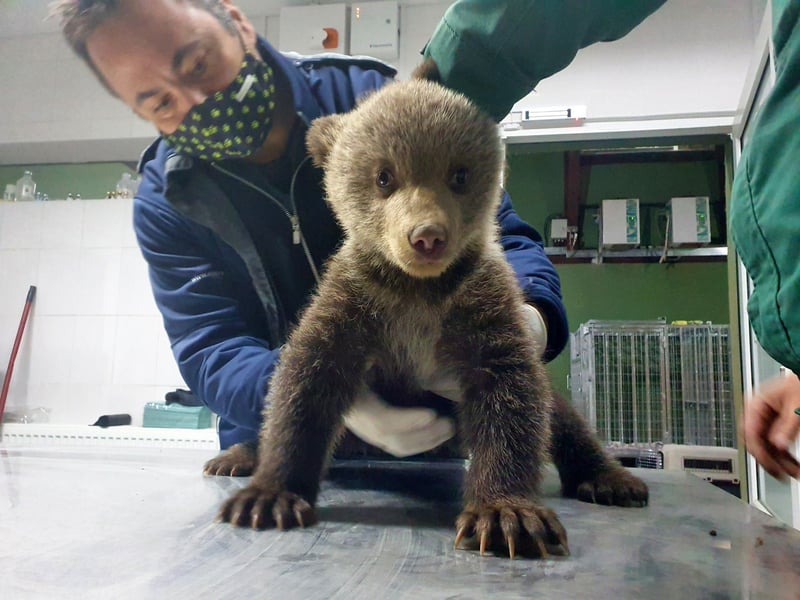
313,29
558,232
375,29
689,220
620,223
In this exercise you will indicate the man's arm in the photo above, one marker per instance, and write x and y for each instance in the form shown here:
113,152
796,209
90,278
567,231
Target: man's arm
536,274
496,52
219,356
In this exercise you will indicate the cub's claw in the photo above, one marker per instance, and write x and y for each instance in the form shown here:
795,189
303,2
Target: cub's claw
484,540
460,536
259,508
614,486
237,461
523,527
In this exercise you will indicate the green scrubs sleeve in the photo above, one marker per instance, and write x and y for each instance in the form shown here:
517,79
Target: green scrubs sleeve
765,201
496,52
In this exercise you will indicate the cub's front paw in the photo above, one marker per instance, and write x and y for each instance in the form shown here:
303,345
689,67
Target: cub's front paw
237,461
260,508
519,527
614,486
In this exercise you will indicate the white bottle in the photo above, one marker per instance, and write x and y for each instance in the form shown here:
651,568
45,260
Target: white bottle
26,187
125,186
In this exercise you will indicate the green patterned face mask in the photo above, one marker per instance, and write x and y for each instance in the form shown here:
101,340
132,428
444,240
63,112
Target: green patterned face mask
234,122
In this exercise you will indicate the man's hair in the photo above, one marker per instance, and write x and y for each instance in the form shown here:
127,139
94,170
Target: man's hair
80,18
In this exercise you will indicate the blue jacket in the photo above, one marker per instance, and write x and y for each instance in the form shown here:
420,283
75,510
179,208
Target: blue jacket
215,283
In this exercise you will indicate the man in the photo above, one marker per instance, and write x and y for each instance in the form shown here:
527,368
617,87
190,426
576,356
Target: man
230,215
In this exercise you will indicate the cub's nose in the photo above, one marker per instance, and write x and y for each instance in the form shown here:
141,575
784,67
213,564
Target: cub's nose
428,240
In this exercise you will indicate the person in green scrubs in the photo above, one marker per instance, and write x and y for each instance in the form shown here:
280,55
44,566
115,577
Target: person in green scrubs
765,224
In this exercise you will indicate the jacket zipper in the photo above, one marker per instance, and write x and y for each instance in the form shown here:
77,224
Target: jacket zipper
294,219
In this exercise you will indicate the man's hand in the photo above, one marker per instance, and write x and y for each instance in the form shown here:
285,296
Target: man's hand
771,426
398,431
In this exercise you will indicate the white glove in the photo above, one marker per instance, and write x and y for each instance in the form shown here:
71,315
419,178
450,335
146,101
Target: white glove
407,431
398,431
537,326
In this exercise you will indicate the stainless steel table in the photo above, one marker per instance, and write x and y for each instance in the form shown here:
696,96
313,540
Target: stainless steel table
139,523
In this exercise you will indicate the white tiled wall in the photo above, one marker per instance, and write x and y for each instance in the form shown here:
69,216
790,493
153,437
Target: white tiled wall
94,343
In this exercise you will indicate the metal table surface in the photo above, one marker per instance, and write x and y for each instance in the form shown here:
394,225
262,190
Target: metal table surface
139,523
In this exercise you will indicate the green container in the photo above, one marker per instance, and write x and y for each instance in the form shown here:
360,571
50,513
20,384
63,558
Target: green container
159,414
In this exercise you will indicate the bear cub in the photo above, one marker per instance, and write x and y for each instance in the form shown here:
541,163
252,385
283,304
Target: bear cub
420,288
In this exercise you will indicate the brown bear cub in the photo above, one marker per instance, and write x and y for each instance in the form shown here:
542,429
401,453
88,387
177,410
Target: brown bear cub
419,288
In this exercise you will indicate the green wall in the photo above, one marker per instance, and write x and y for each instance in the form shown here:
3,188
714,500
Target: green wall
90,180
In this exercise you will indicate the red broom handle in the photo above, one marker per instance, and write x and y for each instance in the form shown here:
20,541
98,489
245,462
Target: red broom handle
15,349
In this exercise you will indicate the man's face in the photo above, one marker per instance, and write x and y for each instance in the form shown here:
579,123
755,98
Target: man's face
161,57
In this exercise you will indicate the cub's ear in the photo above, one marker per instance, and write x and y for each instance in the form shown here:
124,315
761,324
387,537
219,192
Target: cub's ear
322,136
427,69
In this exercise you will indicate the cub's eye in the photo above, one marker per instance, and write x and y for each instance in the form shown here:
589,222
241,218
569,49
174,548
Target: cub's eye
384,179
458,180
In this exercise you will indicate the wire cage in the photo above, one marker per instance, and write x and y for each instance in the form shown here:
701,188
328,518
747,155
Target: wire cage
642,382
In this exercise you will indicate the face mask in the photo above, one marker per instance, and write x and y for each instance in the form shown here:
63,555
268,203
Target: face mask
234,122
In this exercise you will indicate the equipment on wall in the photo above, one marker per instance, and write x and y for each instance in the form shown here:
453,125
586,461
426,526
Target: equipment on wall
314,29
689,221
374,30
620,223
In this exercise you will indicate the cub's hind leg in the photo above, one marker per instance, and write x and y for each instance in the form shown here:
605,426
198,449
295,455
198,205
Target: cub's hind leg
587,472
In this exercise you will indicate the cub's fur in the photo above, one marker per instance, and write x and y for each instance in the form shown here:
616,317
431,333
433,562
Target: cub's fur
419,289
